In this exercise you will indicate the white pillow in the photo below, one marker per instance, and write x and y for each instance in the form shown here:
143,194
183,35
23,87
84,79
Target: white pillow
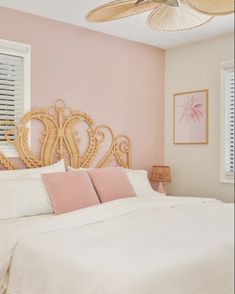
140,182
22,192
57,167
23,196
70,168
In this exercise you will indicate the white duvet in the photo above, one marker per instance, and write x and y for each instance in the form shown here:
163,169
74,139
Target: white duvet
148,245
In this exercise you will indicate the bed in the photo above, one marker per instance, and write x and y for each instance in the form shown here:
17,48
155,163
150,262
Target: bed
147,244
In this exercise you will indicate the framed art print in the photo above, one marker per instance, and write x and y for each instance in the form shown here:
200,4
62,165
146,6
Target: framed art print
191,117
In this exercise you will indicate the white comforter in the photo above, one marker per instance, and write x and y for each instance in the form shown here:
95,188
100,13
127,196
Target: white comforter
148,245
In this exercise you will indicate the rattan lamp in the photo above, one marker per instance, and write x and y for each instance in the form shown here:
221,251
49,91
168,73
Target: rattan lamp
160,174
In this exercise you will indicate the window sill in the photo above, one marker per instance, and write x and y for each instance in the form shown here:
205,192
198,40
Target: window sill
9,153
224,180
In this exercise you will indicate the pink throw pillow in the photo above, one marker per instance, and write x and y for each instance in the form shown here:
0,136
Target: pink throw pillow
111,183
70,191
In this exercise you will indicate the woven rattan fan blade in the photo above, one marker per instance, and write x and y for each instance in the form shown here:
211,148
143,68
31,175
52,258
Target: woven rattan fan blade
213,7
119,9
167,18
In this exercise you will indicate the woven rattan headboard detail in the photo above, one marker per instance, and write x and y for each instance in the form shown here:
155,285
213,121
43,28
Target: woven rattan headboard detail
60,140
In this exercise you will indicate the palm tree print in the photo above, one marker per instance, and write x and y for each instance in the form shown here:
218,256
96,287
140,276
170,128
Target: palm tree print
191,110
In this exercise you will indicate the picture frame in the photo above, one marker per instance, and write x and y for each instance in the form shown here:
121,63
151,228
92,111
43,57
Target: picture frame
191,117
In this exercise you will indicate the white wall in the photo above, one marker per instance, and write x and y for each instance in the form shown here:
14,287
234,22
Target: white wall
196,168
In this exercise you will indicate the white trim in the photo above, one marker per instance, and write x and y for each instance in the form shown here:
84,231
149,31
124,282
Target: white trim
14,48
22,50
225,66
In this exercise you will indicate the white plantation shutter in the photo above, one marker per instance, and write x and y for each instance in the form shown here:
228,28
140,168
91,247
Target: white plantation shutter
11,91
227,122
229,156
15,80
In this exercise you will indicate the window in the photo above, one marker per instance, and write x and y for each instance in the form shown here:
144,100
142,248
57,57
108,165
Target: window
14,88
227,123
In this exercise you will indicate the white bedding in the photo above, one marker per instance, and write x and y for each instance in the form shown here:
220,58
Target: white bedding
142,245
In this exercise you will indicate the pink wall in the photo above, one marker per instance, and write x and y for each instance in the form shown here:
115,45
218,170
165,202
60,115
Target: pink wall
118,82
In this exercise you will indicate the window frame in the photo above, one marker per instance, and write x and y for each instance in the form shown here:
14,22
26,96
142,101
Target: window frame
21,50
225,67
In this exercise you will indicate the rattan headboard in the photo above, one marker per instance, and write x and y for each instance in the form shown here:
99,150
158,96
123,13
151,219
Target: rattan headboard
61,140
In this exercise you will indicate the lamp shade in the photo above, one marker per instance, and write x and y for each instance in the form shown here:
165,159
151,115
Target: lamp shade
160,174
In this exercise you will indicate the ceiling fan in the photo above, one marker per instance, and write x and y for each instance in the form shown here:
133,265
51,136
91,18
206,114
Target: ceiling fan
167,15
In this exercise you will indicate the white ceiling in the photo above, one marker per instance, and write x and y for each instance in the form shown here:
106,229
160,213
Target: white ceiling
133,28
